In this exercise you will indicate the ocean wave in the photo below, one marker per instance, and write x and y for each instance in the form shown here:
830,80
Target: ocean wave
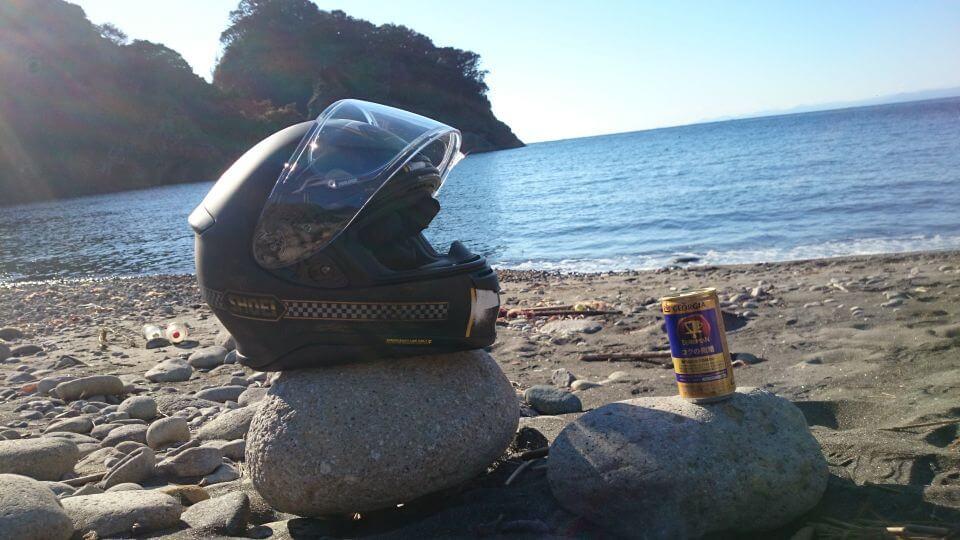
823,250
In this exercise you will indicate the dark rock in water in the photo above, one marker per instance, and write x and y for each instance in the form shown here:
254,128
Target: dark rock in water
686,259
551,400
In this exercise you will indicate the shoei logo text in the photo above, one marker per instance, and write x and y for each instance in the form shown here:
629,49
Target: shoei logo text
254,306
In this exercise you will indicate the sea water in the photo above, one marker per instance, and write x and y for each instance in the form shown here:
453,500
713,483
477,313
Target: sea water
853,181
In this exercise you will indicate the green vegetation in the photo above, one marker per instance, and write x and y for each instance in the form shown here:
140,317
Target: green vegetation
85,110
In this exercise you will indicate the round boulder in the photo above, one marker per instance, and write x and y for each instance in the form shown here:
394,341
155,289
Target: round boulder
674,469
30,511
364,436
46,458
141,407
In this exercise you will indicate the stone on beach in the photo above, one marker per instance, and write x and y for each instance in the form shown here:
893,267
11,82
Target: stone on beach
78,424
221,393
197,461
115,513
30,511
10,333
227,514
660,465
4,351
135,467
568,327
141,407
25,350
207,357
429,423
252,395
169,430
547,399
84,387
46,458
170,371
228,425
128,432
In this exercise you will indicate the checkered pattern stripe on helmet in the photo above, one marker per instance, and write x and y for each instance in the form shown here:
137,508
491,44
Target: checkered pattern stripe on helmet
431,311
213,298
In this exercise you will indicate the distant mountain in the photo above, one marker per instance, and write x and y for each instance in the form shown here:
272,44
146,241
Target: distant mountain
904,97
85,110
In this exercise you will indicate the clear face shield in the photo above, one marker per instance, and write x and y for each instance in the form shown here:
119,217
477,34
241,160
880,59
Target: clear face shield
354,150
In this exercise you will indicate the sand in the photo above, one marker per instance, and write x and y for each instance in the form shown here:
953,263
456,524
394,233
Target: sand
859,375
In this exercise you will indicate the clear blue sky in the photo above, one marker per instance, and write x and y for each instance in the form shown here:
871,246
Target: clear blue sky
562,69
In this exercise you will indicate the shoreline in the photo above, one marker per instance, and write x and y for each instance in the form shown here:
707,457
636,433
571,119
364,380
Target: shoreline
864,345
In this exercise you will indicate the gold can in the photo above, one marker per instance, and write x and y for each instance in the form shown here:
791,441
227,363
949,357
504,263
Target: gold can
698,345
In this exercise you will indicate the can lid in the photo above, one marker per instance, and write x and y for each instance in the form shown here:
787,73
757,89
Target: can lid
690,293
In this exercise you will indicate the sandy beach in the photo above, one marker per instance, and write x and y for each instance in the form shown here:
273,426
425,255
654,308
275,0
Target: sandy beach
868,347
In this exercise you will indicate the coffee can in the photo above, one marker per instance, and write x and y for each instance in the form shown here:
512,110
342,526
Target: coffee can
698,345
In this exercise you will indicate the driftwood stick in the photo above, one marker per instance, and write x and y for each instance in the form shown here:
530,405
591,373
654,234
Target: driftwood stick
534,454
523,466
83,480
923,424
650,357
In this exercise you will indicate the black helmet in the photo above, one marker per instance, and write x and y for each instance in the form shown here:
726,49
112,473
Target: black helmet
328,263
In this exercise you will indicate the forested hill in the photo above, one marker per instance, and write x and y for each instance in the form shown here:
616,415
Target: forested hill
83,109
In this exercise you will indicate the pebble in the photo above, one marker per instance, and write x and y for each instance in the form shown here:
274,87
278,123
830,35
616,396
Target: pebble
222,515
79,424
187,494
196,461
130,432
207,357
639,465
142,407
10,333
46,458
581,384
170,371
29,510
127,486
892,303
569,327
228,426
221,393
306,451
25,350
562,378
86,387
225,340
230,449
4,352
110,514
45,385
551,400
135,467
252,395
746,357
224,473
166,431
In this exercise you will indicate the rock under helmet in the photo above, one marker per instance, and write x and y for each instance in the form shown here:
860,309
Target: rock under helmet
309,248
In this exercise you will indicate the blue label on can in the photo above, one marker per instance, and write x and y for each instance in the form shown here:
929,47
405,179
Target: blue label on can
694,334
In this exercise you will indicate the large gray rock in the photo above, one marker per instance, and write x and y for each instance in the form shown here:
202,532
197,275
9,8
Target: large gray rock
363,436
169,430
671,469
228,425
46,458
224,515
30,511
141,407
207,357
170,371
84,387
115,513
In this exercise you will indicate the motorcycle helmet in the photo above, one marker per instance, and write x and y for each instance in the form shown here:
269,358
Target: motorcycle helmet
310,247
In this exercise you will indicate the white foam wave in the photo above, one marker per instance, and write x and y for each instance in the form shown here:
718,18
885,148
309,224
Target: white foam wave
868,246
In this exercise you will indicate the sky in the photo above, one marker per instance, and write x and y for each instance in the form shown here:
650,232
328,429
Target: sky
561,69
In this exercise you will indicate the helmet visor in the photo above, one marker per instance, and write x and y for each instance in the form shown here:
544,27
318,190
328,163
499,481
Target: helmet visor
352,151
